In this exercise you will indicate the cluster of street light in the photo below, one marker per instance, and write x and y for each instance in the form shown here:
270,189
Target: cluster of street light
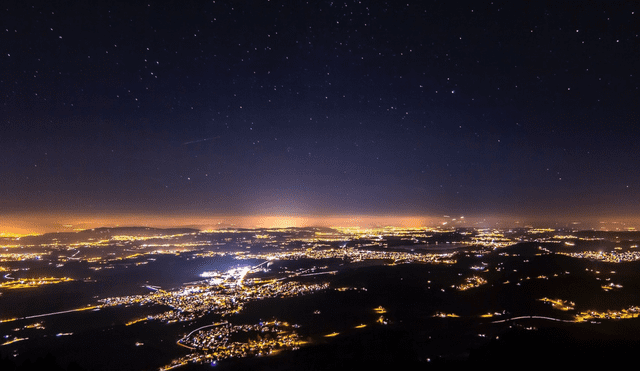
609,257
631,312
223,340
560,304
471,282
353,255
24,283
195,301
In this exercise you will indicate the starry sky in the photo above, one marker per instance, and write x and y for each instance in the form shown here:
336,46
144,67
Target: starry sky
519,109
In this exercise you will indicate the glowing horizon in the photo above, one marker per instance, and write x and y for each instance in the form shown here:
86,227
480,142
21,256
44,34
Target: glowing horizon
40,223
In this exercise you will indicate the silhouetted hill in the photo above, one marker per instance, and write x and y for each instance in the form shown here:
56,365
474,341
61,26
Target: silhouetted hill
105,233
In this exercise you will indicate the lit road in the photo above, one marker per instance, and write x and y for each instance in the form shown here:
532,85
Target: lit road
534,317
55,313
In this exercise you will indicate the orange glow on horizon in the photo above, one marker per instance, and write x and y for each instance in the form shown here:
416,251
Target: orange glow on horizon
33,224
18,225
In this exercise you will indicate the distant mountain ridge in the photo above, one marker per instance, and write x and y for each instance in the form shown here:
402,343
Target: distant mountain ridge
106,233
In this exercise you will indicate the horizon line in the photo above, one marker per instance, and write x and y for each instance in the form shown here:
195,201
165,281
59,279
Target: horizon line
39,223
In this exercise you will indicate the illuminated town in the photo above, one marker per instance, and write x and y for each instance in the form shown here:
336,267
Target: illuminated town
218,302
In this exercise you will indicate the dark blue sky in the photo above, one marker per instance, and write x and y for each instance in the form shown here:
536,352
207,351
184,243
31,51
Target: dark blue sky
323,108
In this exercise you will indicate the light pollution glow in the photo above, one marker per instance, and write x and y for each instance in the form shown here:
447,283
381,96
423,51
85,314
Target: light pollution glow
39,223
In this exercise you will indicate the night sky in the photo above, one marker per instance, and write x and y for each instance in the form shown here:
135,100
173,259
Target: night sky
289,108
